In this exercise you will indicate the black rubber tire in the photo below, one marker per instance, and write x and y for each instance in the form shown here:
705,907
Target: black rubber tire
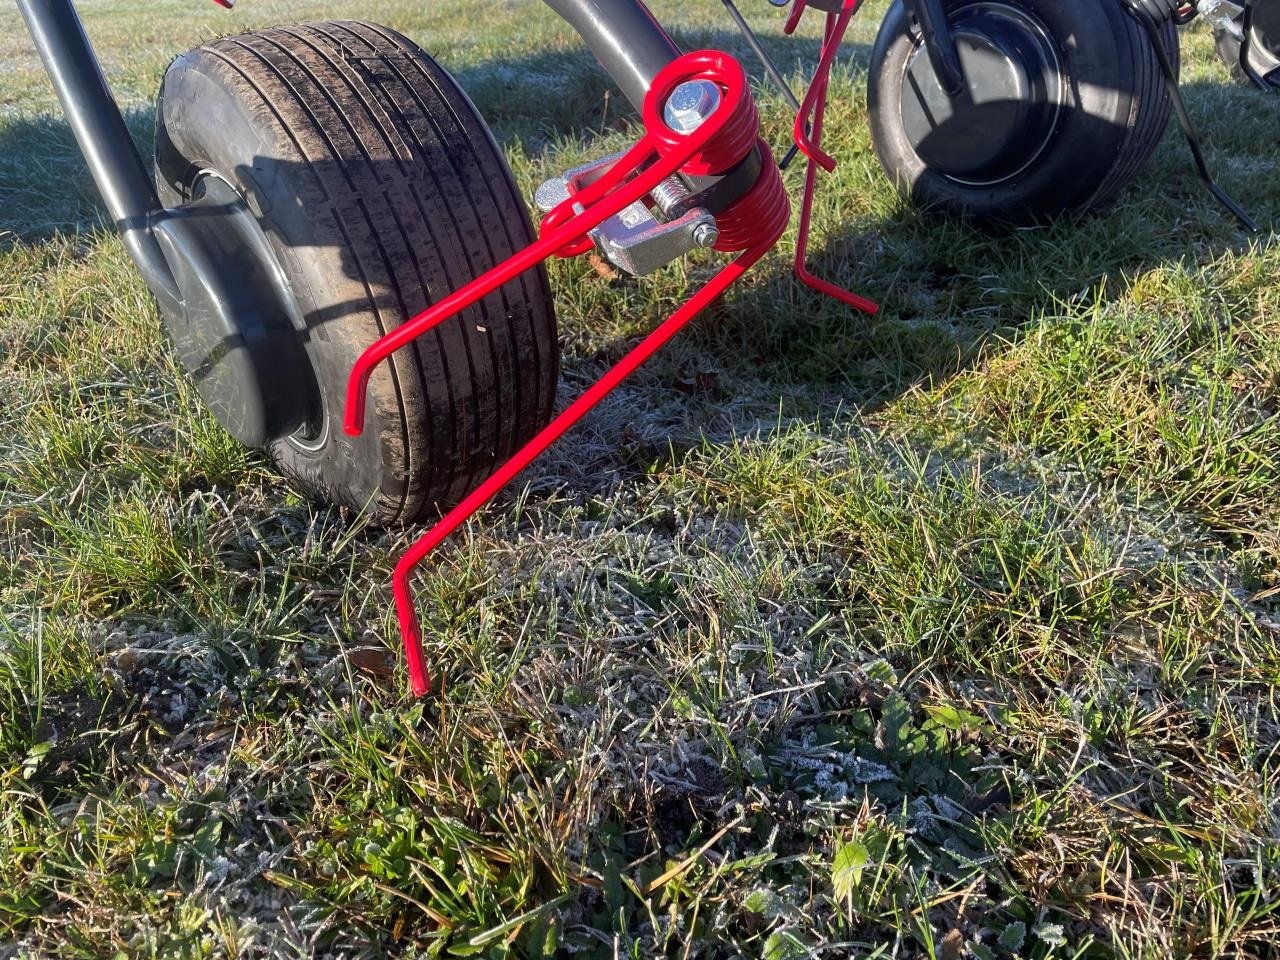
1265,51
1115,112
1228,48
381,190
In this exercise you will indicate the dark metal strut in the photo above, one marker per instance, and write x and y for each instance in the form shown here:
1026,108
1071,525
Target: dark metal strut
1149,15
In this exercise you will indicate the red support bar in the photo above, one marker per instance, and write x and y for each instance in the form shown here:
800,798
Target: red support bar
809,141
409,629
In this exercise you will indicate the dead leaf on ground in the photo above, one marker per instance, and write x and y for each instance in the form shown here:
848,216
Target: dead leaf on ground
375,661
952,946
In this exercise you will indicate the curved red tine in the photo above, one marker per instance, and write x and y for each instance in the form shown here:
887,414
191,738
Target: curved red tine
608,196
751,227
812,114
717,144
809,141
793,18
410,631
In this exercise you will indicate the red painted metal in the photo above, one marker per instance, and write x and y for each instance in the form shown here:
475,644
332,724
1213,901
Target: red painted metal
751,227
798,8
808,136
405,609
650,161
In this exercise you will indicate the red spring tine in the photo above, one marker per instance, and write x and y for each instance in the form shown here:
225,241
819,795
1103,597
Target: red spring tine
753,225
808,143
602,199
793,18
721,141
815,105
410,631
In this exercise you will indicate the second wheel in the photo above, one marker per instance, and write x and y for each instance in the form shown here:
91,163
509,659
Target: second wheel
1063,104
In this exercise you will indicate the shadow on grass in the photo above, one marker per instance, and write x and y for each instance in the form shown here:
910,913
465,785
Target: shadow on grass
949,290
536,101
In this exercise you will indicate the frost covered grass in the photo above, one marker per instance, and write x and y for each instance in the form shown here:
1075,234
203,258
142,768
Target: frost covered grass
952,633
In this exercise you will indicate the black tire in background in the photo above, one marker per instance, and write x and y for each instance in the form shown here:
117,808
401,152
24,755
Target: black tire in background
1064,130
380,190
1229,51
1264,48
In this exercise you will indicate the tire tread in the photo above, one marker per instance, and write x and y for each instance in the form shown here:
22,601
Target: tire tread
399,169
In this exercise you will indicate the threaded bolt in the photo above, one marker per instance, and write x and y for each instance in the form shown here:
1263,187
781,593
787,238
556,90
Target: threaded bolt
706,235
669,193
690,104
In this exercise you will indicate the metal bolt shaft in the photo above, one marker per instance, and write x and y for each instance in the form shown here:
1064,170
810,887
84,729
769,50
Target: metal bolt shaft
669,193
690,104
706,235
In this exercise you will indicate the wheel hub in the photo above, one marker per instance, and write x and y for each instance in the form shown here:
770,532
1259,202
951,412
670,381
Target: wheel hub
1266,40
1009,109
235,330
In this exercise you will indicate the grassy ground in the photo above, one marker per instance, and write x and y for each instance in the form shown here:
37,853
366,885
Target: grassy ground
949,633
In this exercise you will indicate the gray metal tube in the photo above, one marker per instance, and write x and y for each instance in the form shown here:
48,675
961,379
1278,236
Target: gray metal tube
625,38
100,130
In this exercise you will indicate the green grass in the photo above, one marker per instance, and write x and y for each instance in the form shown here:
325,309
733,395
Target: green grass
952,632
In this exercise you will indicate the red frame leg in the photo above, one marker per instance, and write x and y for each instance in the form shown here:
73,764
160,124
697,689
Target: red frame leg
410,631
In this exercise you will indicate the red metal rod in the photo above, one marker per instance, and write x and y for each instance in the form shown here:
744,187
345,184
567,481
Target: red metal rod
809,141
410,631
815,103
753,225
793,19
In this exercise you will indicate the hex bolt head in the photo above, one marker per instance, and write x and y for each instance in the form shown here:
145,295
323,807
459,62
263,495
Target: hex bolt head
690,104
706,235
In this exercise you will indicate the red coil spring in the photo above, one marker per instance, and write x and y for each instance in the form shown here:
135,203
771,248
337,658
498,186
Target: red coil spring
764,211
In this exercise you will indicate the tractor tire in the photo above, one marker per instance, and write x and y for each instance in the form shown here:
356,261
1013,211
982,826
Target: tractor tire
1228,48
380,190
1264,46
1066,103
